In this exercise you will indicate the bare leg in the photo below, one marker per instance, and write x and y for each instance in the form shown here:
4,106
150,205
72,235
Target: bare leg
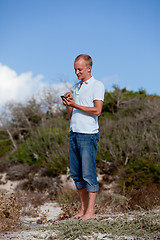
90,213
83,194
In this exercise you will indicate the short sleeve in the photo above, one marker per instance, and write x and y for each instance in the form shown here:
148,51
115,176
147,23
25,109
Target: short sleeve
99,91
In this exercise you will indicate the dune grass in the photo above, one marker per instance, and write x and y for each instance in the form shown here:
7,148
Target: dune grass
142,227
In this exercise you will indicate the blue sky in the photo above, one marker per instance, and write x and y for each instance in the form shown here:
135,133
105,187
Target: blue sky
43,37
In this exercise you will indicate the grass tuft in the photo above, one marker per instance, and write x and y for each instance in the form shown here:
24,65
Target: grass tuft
142,227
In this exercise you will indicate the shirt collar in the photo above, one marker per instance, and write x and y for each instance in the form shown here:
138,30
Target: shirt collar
87,82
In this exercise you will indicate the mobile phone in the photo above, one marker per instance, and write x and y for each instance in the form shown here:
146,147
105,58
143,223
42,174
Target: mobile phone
63,97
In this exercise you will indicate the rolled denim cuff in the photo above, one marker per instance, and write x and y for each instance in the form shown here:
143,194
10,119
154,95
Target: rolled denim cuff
80,185
89,188
94,188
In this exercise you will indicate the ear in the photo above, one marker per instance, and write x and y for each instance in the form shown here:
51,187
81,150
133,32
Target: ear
89,69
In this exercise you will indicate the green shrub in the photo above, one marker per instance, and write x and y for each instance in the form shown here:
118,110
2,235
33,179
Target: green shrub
141,172
130,137
47,147
5,146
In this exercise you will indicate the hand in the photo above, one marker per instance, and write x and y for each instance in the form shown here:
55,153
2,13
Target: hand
68,101
68,95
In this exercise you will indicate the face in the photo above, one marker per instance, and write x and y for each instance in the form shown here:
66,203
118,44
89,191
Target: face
82,71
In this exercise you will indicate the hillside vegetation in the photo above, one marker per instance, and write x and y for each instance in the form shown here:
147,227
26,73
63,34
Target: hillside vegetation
37,133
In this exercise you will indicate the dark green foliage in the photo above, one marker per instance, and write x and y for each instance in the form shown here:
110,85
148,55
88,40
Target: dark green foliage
130,136
5,145
47,147
141,172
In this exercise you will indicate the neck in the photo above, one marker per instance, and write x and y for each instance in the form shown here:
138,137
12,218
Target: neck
85,79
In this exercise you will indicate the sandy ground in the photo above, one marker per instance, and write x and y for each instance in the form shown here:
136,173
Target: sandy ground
40,227
31,230
50,210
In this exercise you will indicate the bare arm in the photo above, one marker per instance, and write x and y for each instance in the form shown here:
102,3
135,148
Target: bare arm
69,111
68,108
96,110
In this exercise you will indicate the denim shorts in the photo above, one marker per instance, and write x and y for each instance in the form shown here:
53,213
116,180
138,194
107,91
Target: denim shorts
82,151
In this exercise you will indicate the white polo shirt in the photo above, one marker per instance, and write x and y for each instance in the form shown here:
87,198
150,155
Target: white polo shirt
90,90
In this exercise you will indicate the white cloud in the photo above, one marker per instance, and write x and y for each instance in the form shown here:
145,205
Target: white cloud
14,87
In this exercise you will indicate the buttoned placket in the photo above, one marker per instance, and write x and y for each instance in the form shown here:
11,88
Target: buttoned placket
79,88
80,85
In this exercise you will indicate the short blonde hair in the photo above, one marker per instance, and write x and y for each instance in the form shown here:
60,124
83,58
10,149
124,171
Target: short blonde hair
86,58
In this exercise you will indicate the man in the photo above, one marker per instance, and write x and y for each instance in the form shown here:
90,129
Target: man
83,108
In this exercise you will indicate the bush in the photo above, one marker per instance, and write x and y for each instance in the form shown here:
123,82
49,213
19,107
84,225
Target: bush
146,197
141,172
5,146
130,137
18,172
47,147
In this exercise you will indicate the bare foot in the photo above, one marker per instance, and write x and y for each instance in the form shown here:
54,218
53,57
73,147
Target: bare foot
88,217
78,215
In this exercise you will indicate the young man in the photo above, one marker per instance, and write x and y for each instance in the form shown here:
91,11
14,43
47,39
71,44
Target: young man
83,108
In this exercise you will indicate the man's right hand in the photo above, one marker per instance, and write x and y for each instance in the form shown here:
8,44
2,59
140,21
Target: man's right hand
68,95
